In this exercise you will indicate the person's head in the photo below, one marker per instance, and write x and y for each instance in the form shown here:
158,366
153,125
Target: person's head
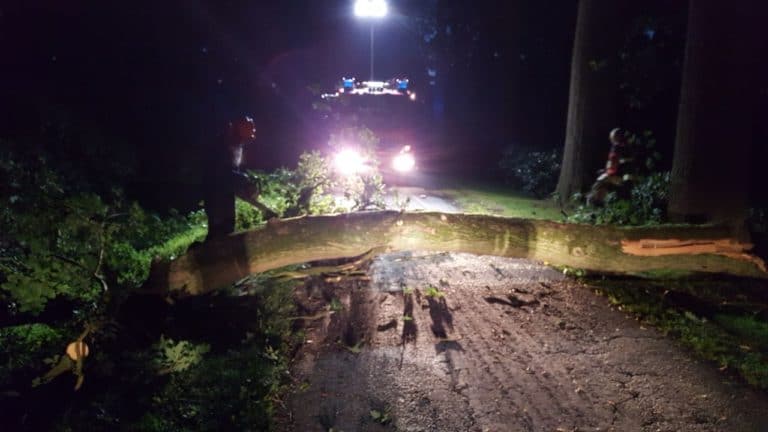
618,136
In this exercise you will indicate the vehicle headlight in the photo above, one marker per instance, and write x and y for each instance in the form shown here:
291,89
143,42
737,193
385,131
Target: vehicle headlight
404,162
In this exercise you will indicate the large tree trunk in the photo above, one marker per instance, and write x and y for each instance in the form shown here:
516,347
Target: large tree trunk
218,263
710,173
593,101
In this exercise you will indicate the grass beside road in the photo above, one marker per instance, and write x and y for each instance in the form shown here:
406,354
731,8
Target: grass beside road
498,201
721,321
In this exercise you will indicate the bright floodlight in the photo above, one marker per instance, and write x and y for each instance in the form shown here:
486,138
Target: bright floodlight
371,8
349,162
403,162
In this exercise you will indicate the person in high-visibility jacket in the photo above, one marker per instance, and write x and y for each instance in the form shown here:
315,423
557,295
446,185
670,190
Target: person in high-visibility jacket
225,165
612,176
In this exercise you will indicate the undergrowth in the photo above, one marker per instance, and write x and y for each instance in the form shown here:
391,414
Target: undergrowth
534,172
204,364
644,203
235,387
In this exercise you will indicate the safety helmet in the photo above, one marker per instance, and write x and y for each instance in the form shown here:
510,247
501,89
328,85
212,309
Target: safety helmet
618,136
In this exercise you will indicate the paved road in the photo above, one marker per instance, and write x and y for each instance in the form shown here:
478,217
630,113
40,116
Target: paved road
419,199
499,345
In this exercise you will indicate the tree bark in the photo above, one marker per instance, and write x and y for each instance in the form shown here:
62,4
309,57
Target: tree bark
711,166
641,251
593,98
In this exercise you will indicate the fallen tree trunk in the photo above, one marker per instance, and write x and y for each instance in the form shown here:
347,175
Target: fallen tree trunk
655,251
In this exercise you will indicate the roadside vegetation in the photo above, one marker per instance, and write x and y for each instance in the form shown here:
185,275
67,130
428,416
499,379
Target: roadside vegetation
721,321
235,382
499,201
74,253
725,322
315,186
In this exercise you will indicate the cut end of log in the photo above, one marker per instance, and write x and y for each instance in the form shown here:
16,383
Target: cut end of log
723,246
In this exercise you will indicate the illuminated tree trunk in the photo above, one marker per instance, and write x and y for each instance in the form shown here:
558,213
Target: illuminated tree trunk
593,102
656,251
710,173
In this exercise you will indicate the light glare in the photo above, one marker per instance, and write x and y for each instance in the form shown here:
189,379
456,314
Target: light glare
349,162
403,162
371,8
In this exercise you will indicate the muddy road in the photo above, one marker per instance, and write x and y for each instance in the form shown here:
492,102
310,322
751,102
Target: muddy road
455,342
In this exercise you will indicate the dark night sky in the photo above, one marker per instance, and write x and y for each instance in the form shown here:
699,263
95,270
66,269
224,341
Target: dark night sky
153,69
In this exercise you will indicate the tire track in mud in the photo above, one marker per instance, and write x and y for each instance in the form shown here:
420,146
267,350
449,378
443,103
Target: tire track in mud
435,351
513,376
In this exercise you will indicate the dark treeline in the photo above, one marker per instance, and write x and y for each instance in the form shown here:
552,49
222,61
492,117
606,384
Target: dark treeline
157,81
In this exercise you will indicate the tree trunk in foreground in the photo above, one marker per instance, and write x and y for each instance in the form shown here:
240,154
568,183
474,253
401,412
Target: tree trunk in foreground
593,96
711,169
640,251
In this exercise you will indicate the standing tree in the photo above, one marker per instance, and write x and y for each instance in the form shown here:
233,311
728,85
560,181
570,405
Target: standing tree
593,99
710,173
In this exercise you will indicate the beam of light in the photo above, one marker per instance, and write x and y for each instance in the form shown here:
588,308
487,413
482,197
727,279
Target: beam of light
349,162
404,162
412,96
371,8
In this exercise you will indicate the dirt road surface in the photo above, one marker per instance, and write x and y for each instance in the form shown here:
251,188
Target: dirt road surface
456,342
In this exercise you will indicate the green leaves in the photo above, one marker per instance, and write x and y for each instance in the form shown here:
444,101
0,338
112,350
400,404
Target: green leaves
307,189
292,193
433,291
536,172
246,215
59,242
365,189
27,346
58,251
381,416
336,305
174,357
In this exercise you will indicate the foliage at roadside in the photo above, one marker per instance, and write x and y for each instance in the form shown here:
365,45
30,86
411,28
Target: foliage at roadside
172,356
491,199
71,257
642,197
737,340
646,204
534,172
26,347
61,242
246,215
70,254
227,374
309,188
302,191
234,387
365,189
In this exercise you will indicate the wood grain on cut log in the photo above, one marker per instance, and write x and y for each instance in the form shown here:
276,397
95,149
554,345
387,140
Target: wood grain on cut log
725,246
218,263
